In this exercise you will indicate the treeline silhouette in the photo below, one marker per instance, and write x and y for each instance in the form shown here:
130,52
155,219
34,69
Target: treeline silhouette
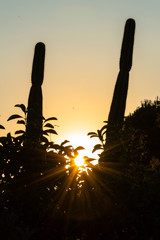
45,196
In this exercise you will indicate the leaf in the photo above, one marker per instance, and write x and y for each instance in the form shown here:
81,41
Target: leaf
21,122
99,135
91,133
64,142
1,127
9,138
50,131
22,106
14,116
20,132
44,139
79,148
76,150
49,125
104,133
104,127
56,146
49,119
97,147
45,133
94,136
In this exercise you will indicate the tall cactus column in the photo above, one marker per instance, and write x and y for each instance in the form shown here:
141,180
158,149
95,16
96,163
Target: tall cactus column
34,117
116,114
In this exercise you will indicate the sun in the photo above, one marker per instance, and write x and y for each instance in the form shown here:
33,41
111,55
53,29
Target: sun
79,161
81,139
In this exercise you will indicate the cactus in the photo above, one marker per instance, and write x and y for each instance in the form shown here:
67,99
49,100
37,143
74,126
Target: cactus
116,114
34,116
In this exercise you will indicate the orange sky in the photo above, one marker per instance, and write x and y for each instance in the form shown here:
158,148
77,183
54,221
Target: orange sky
83,42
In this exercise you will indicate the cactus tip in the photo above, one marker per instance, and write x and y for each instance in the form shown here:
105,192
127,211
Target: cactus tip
130,21
40,45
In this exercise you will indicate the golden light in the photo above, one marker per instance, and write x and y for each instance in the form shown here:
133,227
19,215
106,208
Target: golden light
81,139
79,161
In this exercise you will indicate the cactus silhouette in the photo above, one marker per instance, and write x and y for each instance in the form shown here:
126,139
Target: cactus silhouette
116,114
34,116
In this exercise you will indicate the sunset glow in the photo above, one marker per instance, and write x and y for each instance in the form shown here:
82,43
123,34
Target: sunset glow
80,119
81,139
79,161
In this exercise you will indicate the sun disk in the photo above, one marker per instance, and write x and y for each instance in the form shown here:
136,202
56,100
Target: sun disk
79,161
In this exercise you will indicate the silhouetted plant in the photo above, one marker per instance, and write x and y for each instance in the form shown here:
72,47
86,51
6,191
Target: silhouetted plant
56,197
145,117
10,165
22,120
49,129
144,130
107,206
117,109
137,139
100,134
34,116
2,127
67,151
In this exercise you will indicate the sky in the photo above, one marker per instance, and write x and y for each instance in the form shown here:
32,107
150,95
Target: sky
83,42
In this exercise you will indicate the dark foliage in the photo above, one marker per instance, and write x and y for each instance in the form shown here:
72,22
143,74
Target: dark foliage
41,198
142,128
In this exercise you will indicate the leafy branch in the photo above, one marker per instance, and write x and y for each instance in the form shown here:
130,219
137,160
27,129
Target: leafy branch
22,120
100,134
